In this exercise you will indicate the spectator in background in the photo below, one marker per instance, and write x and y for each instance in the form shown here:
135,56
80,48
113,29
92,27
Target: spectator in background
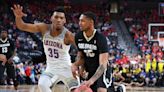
28,74
151,78
20,73
7,51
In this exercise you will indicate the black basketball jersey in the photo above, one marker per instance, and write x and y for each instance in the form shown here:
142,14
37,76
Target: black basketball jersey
91,48
7,47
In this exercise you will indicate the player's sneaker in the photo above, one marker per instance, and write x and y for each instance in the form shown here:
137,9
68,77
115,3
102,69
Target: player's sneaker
16,83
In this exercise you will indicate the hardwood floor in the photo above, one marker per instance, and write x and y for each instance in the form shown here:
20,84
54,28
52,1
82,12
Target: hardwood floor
34,88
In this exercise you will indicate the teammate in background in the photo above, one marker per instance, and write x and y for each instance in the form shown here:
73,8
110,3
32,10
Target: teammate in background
56,41
92,54
7,51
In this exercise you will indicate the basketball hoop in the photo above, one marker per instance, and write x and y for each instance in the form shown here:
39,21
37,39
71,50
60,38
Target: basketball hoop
161,42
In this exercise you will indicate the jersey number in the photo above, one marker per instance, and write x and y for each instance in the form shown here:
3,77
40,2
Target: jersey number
4,50
89,53
53,53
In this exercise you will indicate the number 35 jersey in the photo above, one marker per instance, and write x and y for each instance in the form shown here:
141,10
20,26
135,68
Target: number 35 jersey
57,53
91,48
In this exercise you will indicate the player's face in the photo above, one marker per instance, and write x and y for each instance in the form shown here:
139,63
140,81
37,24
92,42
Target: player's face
58,20
84,23
3,34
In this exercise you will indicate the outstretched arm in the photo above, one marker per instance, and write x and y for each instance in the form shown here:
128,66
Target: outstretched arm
39,27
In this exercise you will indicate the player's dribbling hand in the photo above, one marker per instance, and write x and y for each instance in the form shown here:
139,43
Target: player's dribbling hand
88,83
17,10
83,88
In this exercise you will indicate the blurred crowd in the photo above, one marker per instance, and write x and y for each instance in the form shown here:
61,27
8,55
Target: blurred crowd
148,67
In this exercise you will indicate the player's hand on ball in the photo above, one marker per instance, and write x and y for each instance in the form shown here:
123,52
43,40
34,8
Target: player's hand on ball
88,83
83,88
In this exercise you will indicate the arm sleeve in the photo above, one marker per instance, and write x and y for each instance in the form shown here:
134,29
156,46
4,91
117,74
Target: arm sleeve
102,44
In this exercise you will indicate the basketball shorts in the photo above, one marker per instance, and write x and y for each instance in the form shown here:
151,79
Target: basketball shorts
105,81
62,75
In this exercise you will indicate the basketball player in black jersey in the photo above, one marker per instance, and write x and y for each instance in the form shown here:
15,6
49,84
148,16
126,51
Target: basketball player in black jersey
92,54
7,50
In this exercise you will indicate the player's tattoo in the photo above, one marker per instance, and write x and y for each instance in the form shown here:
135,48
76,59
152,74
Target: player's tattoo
99,72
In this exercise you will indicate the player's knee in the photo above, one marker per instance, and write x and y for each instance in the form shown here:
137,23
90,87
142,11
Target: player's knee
44,84
41,85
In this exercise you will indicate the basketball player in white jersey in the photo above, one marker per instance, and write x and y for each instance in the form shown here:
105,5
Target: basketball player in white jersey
56,41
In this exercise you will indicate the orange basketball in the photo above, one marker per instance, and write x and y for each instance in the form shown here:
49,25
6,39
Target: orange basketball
83,88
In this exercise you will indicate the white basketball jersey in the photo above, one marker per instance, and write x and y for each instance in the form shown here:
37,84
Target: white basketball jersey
57,53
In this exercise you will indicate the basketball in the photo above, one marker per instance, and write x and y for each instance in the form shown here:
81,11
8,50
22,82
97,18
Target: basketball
83,88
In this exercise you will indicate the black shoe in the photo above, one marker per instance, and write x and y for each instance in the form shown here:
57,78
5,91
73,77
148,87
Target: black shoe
2,82
16,83
9,82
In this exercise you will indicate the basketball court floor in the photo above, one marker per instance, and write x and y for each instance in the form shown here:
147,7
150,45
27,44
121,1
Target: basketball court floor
33,88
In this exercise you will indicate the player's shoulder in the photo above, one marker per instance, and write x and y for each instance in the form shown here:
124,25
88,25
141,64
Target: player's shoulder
68,33
69,37
99,35
9,39
43,27
79,34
